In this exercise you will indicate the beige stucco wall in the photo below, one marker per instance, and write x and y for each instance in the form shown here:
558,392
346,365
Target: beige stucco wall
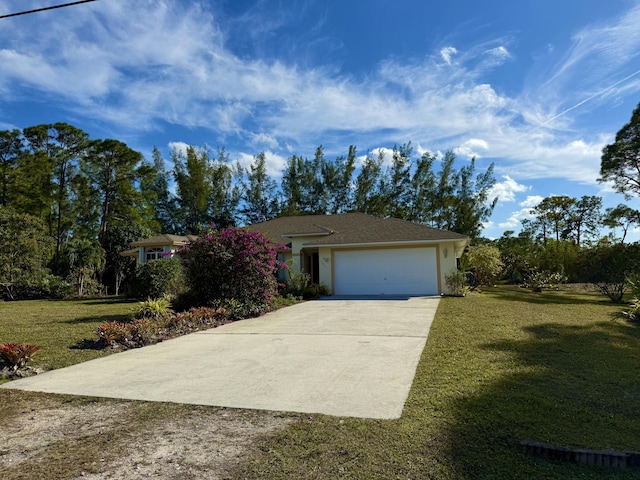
448,263
297,244
324,254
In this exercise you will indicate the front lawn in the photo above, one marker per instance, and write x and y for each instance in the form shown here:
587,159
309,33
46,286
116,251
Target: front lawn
64,329
499,367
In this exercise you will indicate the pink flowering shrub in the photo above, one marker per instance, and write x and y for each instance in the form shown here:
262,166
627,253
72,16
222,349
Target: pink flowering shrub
232,265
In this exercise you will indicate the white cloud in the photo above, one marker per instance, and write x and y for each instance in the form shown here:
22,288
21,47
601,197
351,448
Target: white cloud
275,163
514,219
507,189
531,201
446,53
499,52
524,213
264,139
180,147
471,148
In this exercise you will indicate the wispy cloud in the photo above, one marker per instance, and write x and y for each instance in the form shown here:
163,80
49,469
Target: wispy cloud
136,65
524,213
446,53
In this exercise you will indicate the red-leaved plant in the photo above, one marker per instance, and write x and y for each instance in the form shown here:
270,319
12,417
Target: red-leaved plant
16,355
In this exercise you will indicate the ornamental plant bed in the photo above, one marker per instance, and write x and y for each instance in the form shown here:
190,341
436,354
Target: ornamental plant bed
14,358
149,330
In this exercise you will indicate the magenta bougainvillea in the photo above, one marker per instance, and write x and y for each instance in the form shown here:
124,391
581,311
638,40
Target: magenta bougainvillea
232,264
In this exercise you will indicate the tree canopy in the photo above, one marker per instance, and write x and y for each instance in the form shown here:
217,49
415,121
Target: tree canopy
620,161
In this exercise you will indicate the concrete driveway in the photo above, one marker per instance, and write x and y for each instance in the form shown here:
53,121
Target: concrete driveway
337,356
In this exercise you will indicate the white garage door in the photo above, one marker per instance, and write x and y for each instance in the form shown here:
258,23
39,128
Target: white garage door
386,271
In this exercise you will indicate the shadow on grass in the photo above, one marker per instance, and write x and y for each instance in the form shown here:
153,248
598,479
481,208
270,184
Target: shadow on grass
106,301
123,317
577,387
548,297
88,344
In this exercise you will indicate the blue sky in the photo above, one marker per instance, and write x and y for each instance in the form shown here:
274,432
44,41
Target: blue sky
537,87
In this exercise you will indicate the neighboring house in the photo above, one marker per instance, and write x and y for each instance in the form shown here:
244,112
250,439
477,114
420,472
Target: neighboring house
157,247
357,254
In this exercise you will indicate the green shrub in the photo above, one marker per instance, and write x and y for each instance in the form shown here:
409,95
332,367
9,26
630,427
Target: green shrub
485,263
311,292
158,278
297,283
633,314
153,308
235,309
538,280
633,281
608,267
323,290
17,355
456,282
57,287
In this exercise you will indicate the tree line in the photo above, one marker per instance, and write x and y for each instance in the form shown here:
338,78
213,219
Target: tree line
86,200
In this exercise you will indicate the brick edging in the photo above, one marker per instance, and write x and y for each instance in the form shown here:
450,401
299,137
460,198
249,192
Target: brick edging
598,458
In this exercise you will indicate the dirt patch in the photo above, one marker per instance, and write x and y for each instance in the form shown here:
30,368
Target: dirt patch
130,440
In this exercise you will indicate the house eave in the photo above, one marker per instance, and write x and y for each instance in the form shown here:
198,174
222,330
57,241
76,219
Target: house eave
460,243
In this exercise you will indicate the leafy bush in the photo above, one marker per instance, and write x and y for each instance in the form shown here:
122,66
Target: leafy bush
158,278
633,314
538,280
153,308
235,309
17,355
323,290
113,333
456,283
297,283
143,331
25,250
607,267
57,287
232,264
633,281
484,261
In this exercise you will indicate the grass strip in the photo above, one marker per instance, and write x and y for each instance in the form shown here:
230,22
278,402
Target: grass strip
499,367
65,330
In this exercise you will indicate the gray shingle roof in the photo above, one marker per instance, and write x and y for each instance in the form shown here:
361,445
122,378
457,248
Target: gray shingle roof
351,228
164,239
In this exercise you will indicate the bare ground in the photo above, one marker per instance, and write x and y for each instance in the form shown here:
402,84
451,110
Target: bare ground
52,436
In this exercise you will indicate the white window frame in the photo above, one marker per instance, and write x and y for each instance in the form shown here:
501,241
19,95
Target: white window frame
154,254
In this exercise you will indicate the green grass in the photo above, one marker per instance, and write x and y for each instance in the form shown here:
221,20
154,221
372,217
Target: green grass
499,367
64,329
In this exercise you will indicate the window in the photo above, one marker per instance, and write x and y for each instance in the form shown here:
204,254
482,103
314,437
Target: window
154,254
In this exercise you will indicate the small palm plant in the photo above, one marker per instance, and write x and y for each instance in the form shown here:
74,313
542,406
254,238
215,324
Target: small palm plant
154,308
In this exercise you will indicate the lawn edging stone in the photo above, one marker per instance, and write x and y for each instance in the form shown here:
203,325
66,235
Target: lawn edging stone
596,458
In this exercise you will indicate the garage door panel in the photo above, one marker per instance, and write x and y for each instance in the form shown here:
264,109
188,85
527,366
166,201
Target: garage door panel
403,271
